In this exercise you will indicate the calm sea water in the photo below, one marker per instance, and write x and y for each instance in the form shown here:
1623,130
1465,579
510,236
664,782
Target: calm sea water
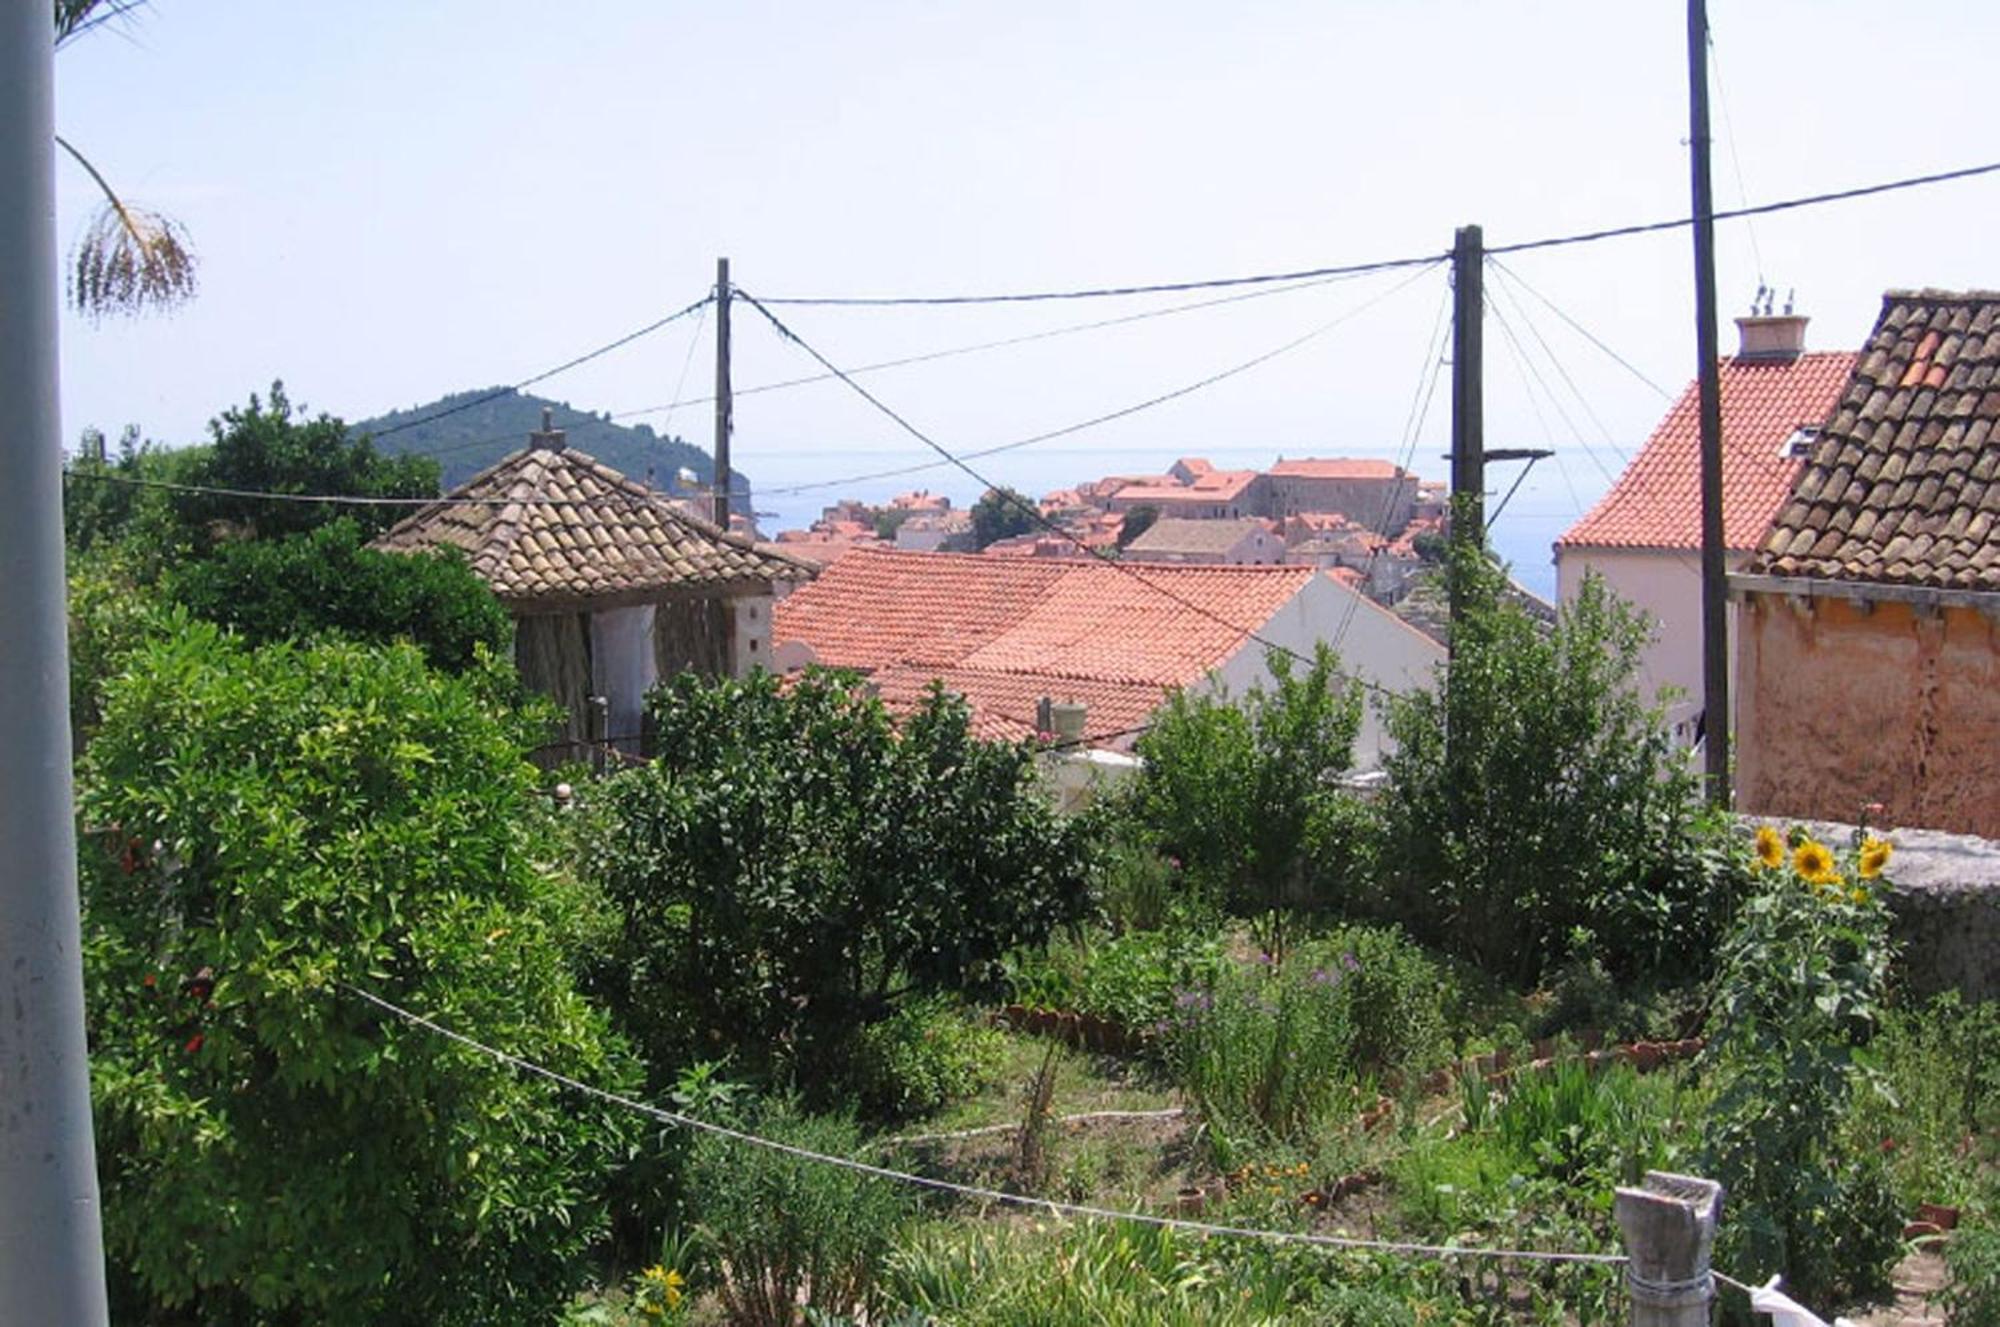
1547,503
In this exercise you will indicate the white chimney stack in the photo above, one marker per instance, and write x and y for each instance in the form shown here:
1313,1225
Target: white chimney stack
1771,335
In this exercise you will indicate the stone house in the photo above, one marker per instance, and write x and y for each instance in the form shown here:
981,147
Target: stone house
612,586
1240,543
1869,619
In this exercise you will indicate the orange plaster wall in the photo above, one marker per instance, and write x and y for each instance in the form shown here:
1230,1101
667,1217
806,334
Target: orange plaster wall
1838,708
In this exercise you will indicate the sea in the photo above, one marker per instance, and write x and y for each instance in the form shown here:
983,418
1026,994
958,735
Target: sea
789,491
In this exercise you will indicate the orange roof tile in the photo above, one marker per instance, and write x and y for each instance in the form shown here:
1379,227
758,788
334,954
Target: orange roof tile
1656,503
1017,627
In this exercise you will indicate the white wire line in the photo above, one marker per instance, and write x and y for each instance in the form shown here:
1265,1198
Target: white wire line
1051,1205
952,352
988,1130
1529,377
1735,161
1562,371
1122,412
1580,329
614,496
687,362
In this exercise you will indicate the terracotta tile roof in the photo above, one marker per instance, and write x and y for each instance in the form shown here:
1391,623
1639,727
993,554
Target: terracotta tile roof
1312,468
1903,486
1171,534
1209,486
557,524
1656,503
1003,704
1014,627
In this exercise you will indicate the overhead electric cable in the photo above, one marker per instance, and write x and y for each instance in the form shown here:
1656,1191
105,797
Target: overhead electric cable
612,496
1577,327
1033,512
1523,246
999,1196
545,374
1122,412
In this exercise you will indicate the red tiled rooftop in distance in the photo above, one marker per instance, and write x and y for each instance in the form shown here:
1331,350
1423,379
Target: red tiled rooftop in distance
1656,503
1338,468
1075,619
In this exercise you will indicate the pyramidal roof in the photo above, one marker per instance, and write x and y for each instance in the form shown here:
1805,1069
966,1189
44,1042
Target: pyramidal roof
550,523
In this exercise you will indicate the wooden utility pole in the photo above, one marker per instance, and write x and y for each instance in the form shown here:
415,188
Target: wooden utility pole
1468,430
51,1248
724,405
1669,1230
1714,565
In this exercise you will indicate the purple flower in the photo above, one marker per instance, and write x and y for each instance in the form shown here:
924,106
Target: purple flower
1194,1000
1350,962
1321,977
1264,959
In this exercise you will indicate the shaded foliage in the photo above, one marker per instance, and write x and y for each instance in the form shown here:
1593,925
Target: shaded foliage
1002,513
327,580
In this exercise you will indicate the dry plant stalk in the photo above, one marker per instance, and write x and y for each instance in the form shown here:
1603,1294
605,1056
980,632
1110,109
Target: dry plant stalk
1031,1150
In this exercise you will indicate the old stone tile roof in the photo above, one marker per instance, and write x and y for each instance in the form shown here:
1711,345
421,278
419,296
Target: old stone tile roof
1903,486
1006,631
1207,486
1656,503
1173,534
556,524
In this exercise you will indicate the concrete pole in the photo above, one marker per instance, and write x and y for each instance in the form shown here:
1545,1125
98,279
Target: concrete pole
1714,557
725,404
51,1246
1669,1229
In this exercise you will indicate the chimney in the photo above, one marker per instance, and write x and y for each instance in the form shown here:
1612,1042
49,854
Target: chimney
1066,720
549,438
1771,336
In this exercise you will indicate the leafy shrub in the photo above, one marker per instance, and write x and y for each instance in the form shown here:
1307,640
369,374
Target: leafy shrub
786,1232
1797,997
1589,1130
259,827
1558,801
795,863
1972,1294
1140,889
1128,979
328,580
1243,793
111,614
1937,1124
1270,1048
925,1055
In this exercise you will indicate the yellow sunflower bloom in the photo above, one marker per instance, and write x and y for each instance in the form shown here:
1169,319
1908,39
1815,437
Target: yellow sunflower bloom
1814,863
1857,896
1874,856
1770,848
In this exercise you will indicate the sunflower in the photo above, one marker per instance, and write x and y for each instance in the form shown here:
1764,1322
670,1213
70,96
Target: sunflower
1874,856
1814,863
1857,896
1770,848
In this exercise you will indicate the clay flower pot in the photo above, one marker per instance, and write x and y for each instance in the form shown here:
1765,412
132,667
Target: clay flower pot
1939,1215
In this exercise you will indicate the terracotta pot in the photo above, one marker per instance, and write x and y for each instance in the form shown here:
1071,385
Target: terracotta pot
1922,1230
1190,1200
1944,1218
1545,1048
1502,1058
1647,1055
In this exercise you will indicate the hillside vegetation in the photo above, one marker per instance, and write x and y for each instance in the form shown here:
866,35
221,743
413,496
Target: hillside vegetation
473,438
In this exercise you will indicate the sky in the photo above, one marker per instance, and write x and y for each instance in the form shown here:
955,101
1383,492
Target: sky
393,201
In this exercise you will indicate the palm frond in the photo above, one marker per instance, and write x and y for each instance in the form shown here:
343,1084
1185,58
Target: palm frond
76,17
130,259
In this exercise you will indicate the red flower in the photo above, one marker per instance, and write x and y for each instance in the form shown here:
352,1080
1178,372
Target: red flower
149,981
193,1044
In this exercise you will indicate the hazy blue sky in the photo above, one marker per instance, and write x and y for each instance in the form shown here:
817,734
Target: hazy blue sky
394,200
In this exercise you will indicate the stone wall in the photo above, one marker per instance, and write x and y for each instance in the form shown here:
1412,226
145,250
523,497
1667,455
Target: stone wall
1843,705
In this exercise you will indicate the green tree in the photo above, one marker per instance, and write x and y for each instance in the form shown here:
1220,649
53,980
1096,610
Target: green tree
1002,513
1243,792
260,827
274,448
1533,791
795,863
328,580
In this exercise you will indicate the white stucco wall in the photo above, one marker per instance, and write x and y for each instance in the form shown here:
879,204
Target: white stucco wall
1378,647
622,668
751,648
1666,586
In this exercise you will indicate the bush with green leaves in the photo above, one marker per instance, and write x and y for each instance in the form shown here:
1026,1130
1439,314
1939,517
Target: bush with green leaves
1242,792
1533,791
784,1233
1971,1296
1937,1123
1271,1049
261,827
329,580
1797,998
796,862
927,1054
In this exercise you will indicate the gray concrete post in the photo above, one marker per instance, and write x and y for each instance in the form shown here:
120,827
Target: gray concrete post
51,1246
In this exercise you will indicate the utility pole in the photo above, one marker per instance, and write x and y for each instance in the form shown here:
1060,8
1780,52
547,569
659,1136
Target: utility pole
1468,429
1714,567
725,408
51,1244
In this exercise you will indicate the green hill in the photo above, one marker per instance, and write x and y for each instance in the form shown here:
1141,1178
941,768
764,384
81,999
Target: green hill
470,439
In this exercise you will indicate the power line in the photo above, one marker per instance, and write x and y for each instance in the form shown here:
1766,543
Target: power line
618,496
1122,412
1001,1196
1524,246
545,374
1578,327
981,346
1033,512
